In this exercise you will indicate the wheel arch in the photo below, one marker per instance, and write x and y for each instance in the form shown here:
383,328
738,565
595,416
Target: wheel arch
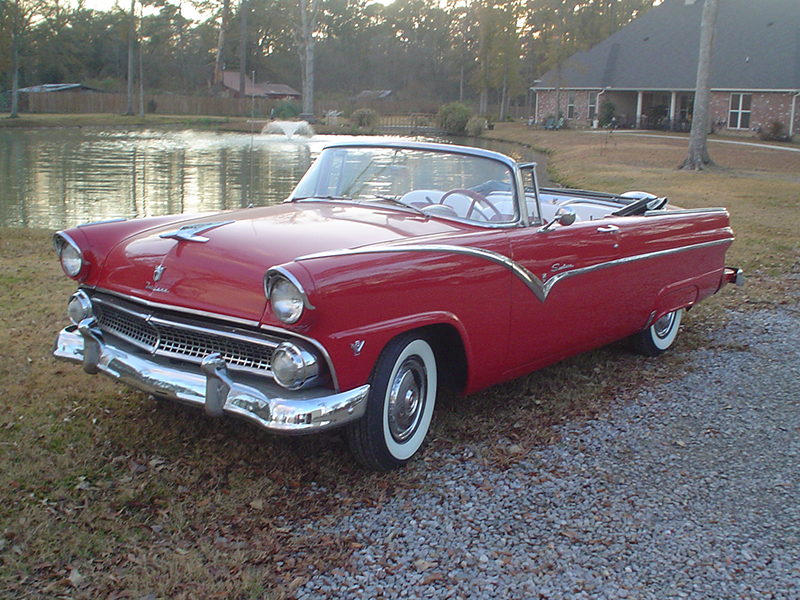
451,355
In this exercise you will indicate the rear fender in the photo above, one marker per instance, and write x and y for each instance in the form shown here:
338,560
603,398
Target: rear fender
685,296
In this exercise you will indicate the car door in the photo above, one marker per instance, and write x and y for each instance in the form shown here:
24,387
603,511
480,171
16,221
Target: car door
579,296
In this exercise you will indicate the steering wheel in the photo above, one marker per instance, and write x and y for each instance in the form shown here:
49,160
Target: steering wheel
477,198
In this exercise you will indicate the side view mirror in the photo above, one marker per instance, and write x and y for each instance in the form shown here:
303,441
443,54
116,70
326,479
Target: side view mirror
564,216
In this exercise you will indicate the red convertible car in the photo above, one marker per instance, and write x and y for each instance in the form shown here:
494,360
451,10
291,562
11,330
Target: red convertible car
391,269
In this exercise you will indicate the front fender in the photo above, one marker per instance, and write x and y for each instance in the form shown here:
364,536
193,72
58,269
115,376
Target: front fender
355,351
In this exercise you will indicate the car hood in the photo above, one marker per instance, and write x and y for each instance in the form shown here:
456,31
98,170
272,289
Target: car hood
216,263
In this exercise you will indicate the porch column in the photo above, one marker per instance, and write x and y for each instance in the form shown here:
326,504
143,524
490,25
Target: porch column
673,105
639,101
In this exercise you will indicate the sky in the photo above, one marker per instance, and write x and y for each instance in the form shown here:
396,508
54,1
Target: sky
187,9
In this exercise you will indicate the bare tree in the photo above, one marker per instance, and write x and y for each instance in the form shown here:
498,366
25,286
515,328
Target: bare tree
131,46
17,33
223,26
697,157
304,39
243,47
23,14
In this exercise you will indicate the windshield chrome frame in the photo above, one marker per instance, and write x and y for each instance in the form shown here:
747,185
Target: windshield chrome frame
521,219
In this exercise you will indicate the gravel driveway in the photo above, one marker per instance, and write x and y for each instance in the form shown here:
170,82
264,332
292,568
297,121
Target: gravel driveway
689,491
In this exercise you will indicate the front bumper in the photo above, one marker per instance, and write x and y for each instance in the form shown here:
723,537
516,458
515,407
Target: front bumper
212,386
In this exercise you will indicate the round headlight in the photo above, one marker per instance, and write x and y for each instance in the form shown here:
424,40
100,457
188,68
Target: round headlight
293,367
79,307
287,300
70,256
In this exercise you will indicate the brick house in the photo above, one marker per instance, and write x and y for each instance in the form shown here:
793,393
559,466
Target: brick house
647,70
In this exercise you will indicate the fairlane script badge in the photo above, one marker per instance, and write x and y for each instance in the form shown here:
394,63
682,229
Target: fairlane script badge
157,273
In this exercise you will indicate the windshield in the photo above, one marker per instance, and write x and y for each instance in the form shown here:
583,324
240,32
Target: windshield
445,184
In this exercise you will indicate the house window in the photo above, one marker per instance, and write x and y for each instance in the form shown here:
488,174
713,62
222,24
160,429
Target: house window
571,106
739,116
592,105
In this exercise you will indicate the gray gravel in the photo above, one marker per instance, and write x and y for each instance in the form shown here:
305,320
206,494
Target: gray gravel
689,491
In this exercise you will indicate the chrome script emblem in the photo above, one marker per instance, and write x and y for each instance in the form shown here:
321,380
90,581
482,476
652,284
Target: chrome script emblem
158,272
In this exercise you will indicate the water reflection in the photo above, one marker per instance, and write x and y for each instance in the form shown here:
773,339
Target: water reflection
56,178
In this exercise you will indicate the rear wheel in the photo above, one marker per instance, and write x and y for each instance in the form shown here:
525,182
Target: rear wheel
399,407
660,335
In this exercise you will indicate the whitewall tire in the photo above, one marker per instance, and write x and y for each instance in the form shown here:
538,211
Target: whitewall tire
660,335
400,405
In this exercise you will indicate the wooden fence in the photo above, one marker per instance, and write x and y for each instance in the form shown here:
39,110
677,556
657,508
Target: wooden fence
166,104
169,104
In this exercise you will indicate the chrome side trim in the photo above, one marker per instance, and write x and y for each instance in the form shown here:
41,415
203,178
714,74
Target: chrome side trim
669,212
212,386
539,288
528,278
630,259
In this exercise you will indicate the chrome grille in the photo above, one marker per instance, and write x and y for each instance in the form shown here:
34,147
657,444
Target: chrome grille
131,327
175,338
193,344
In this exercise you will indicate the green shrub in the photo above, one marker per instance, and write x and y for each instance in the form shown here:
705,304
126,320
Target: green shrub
365,118
453,118
476,126
775,132
606,113
286,109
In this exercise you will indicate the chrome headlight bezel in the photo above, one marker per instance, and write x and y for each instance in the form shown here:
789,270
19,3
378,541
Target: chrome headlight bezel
286,296
294,367
69,255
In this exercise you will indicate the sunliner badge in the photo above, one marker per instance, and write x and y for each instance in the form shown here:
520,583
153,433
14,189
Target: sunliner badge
393,269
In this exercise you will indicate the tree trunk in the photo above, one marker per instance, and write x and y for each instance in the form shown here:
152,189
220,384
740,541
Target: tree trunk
243,48
503,98
697,157
15,80
483,103
308,14
221,41
141,67
131,34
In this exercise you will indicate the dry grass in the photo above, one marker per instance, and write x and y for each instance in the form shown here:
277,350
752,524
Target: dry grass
108,493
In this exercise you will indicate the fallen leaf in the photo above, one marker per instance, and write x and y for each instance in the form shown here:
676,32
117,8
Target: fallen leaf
135,467
297,582
424,565
257,504
75,578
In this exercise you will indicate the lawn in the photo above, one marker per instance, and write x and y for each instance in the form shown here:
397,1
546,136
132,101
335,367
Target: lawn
108,493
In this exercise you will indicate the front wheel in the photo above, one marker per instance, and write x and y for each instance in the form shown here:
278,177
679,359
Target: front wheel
660,335
399,407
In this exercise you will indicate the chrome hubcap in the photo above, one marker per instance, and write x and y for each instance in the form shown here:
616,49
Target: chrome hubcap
663,326
407,398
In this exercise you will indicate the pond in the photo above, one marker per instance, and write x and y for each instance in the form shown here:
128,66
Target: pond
57,178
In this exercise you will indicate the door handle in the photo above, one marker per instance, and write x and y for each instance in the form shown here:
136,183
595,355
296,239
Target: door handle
608,229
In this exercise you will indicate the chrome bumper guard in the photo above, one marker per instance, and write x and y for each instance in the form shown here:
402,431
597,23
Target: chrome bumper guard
733,275
212,386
